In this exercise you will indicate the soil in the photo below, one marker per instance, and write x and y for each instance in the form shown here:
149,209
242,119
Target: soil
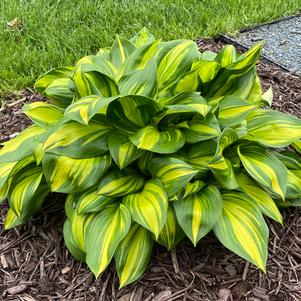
35,265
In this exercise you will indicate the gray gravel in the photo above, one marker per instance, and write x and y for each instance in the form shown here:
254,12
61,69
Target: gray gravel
282,41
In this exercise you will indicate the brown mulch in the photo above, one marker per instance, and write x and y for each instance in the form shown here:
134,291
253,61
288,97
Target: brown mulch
35,265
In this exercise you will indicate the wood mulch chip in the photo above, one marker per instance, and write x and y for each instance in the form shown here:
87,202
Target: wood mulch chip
35,265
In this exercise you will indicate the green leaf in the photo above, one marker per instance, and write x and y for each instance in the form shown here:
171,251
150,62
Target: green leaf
173,173
226,56
273,129
149,207
133,254
262,199
242,229
265,168
142,38
68,175
198,212
104,233
130,113
162,142
122,150
43,114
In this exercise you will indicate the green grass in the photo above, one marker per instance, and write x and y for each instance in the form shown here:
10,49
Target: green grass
57,32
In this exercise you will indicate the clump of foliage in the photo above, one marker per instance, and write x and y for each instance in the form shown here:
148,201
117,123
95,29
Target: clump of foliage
153,141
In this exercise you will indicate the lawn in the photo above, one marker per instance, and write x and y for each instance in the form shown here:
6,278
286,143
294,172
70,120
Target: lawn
36,35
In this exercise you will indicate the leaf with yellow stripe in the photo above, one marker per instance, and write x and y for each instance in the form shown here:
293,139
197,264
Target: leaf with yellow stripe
272,129
233,110
141,81
293,190
88,80
21,146
149,206
131,113
264,167
226,56
173,59
61,92
32,206
199,212
191,188
185,102
122,150
68,175
23,189
262,199
206,70
120,50
242,229
117,185
4,190
104,233
77,140
87,107
133,254
90,201
173,173
70,243
162,142
290,159
142,38
230,73
202,129
171,233
42,113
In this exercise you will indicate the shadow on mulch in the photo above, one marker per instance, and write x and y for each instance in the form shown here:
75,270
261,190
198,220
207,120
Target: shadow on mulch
35,265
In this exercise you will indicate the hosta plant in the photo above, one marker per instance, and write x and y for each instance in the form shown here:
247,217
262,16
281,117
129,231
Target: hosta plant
152,141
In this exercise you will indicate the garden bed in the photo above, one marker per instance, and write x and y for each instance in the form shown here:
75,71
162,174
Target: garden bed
35,265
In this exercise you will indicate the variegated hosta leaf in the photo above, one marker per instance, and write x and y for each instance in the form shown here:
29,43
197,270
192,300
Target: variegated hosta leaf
198,213
113,185
293,190
206,70
104,233
21,146
32,206
4,190
232,110
191,188
229,74
174,58
8,169
202,129
142,38
262,199
173,173
265,168
23,189
188,82
77,140
89,81
130,113
120,50
43,114
61,92
267,97
68,175
255,94
201,154
140,82
163,142
185,102
71,244
133,254
87,107
171,233
47,78
100,62
140,57
297,146
220,166
122,150
90,201
289,159
273,129
242,228
226,56
149,207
